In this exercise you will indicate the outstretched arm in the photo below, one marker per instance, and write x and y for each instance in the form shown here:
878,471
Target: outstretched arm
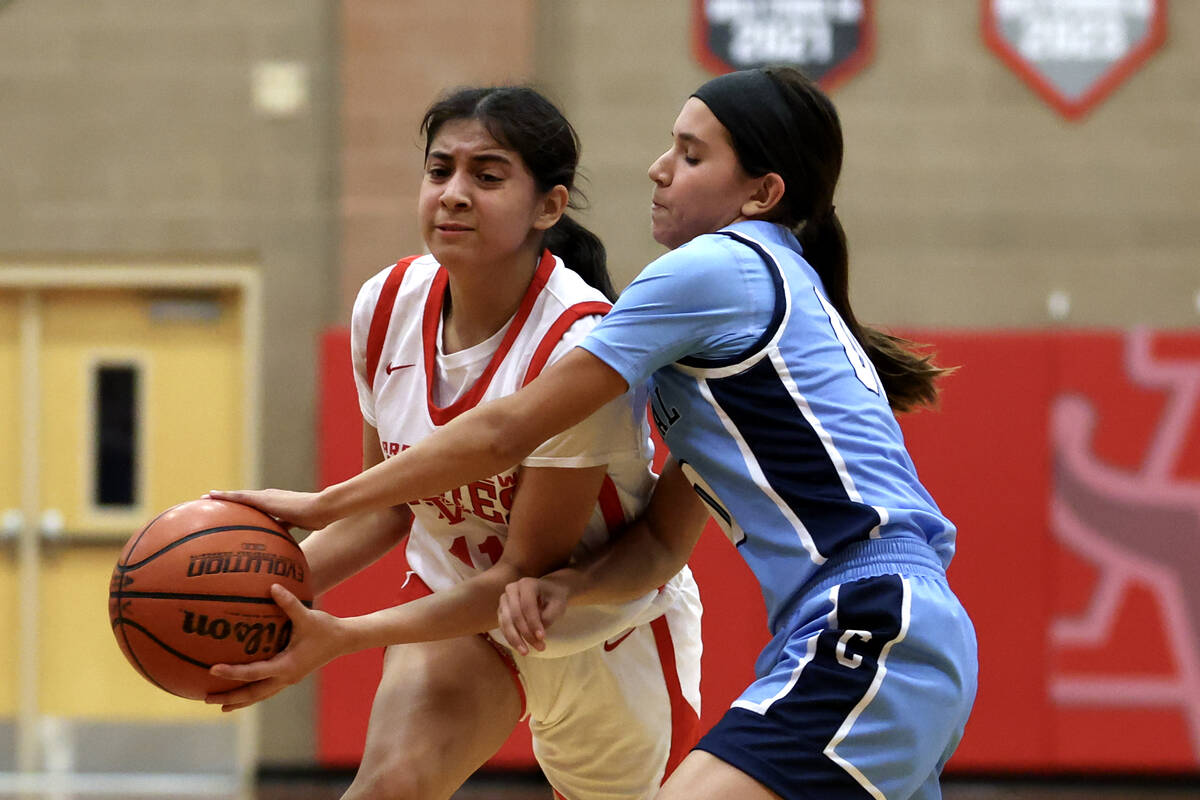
484,441
650,551
550,511
354,543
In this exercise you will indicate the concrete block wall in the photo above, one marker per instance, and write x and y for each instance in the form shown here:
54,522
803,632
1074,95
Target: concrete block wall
966,198
129,132
396,58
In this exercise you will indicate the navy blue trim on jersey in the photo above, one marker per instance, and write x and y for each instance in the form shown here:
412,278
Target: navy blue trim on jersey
714,506
792,457
784,748
776,316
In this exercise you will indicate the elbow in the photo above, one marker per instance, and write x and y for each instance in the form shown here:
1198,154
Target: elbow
501,451
668,566
504,439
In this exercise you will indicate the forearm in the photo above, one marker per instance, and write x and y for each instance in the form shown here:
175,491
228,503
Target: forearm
647,554
636,563
464,609
484,441
347,546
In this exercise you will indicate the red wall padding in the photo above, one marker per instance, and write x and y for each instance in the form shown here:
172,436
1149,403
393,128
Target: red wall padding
1089,637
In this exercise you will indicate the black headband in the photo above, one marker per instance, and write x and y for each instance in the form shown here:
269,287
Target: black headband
765,132
751,107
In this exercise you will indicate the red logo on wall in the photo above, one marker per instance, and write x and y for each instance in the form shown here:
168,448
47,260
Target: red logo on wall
828,41
1074,53
1126,508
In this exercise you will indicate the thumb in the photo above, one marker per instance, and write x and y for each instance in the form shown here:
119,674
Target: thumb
290,604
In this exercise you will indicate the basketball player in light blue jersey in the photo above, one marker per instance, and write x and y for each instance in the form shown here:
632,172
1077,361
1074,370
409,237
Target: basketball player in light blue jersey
778,409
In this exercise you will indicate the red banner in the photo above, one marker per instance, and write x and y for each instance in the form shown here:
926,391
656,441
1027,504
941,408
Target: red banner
1070,462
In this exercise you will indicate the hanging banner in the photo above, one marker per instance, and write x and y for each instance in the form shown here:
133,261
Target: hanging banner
827,40
1074,52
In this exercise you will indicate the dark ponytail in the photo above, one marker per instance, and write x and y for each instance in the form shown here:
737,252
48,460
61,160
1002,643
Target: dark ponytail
582,251
524,121
810,164
909,375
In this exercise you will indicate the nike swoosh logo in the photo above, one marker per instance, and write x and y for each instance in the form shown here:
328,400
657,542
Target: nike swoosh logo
613,645
393,367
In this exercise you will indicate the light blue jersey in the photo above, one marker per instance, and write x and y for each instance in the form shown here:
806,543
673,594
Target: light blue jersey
780,422
770,405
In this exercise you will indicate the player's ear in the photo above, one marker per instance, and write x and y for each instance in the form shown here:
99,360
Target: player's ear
553,206
768,193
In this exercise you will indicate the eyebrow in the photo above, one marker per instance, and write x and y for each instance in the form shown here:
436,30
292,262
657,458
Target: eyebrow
690,138
481,158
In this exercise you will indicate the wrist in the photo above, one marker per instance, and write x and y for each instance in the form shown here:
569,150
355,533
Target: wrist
359,633
328,504
567,581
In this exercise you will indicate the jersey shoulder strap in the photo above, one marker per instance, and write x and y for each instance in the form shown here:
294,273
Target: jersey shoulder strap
550,340
382,316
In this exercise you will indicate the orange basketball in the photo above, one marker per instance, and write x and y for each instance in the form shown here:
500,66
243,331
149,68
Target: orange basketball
193,589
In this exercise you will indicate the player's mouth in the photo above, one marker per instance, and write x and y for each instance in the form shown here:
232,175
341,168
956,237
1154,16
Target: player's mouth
453,227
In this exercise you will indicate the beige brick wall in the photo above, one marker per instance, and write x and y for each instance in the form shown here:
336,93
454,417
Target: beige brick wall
128,131
966,198
396,58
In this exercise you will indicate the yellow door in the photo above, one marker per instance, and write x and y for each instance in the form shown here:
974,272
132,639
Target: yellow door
135,399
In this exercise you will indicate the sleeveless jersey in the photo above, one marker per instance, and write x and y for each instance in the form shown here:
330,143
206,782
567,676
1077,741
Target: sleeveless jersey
790,441
461,533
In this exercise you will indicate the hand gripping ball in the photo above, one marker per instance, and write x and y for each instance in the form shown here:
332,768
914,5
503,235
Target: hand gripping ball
193,588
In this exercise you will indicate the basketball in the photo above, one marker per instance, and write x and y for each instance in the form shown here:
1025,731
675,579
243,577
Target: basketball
193,588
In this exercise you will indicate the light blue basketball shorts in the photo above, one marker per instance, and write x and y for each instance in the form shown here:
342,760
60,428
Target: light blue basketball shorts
864,694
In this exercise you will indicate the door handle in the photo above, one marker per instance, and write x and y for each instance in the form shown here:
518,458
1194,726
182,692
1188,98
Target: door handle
50,526
54,537
11,523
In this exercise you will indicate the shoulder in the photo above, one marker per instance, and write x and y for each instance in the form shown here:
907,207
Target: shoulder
710,258
418,267
709,251
772,245
566,289
711,271
566,311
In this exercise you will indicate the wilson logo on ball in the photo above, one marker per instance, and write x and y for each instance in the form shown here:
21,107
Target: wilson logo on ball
255,637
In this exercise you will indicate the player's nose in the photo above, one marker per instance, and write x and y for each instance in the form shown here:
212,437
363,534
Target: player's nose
658,170
455,192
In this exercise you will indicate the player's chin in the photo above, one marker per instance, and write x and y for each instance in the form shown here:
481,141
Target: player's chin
665,236
450,248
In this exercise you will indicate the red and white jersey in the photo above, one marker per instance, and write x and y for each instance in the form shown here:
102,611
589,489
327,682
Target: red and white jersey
407,388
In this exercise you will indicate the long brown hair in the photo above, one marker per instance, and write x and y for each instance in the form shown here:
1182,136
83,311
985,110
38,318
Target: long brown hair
907,369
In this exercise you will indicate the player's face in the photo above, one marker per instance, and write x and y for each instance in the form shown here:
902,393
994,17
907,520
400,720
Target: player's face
699,186
478,201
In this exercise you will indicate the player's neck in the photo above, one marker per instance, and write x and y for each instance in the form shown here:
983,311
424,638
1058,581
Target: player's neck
480,301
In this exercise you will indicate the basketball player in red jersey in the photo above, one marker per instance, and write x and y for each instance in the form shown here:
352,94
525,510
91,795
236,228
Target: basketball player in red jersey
511,284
